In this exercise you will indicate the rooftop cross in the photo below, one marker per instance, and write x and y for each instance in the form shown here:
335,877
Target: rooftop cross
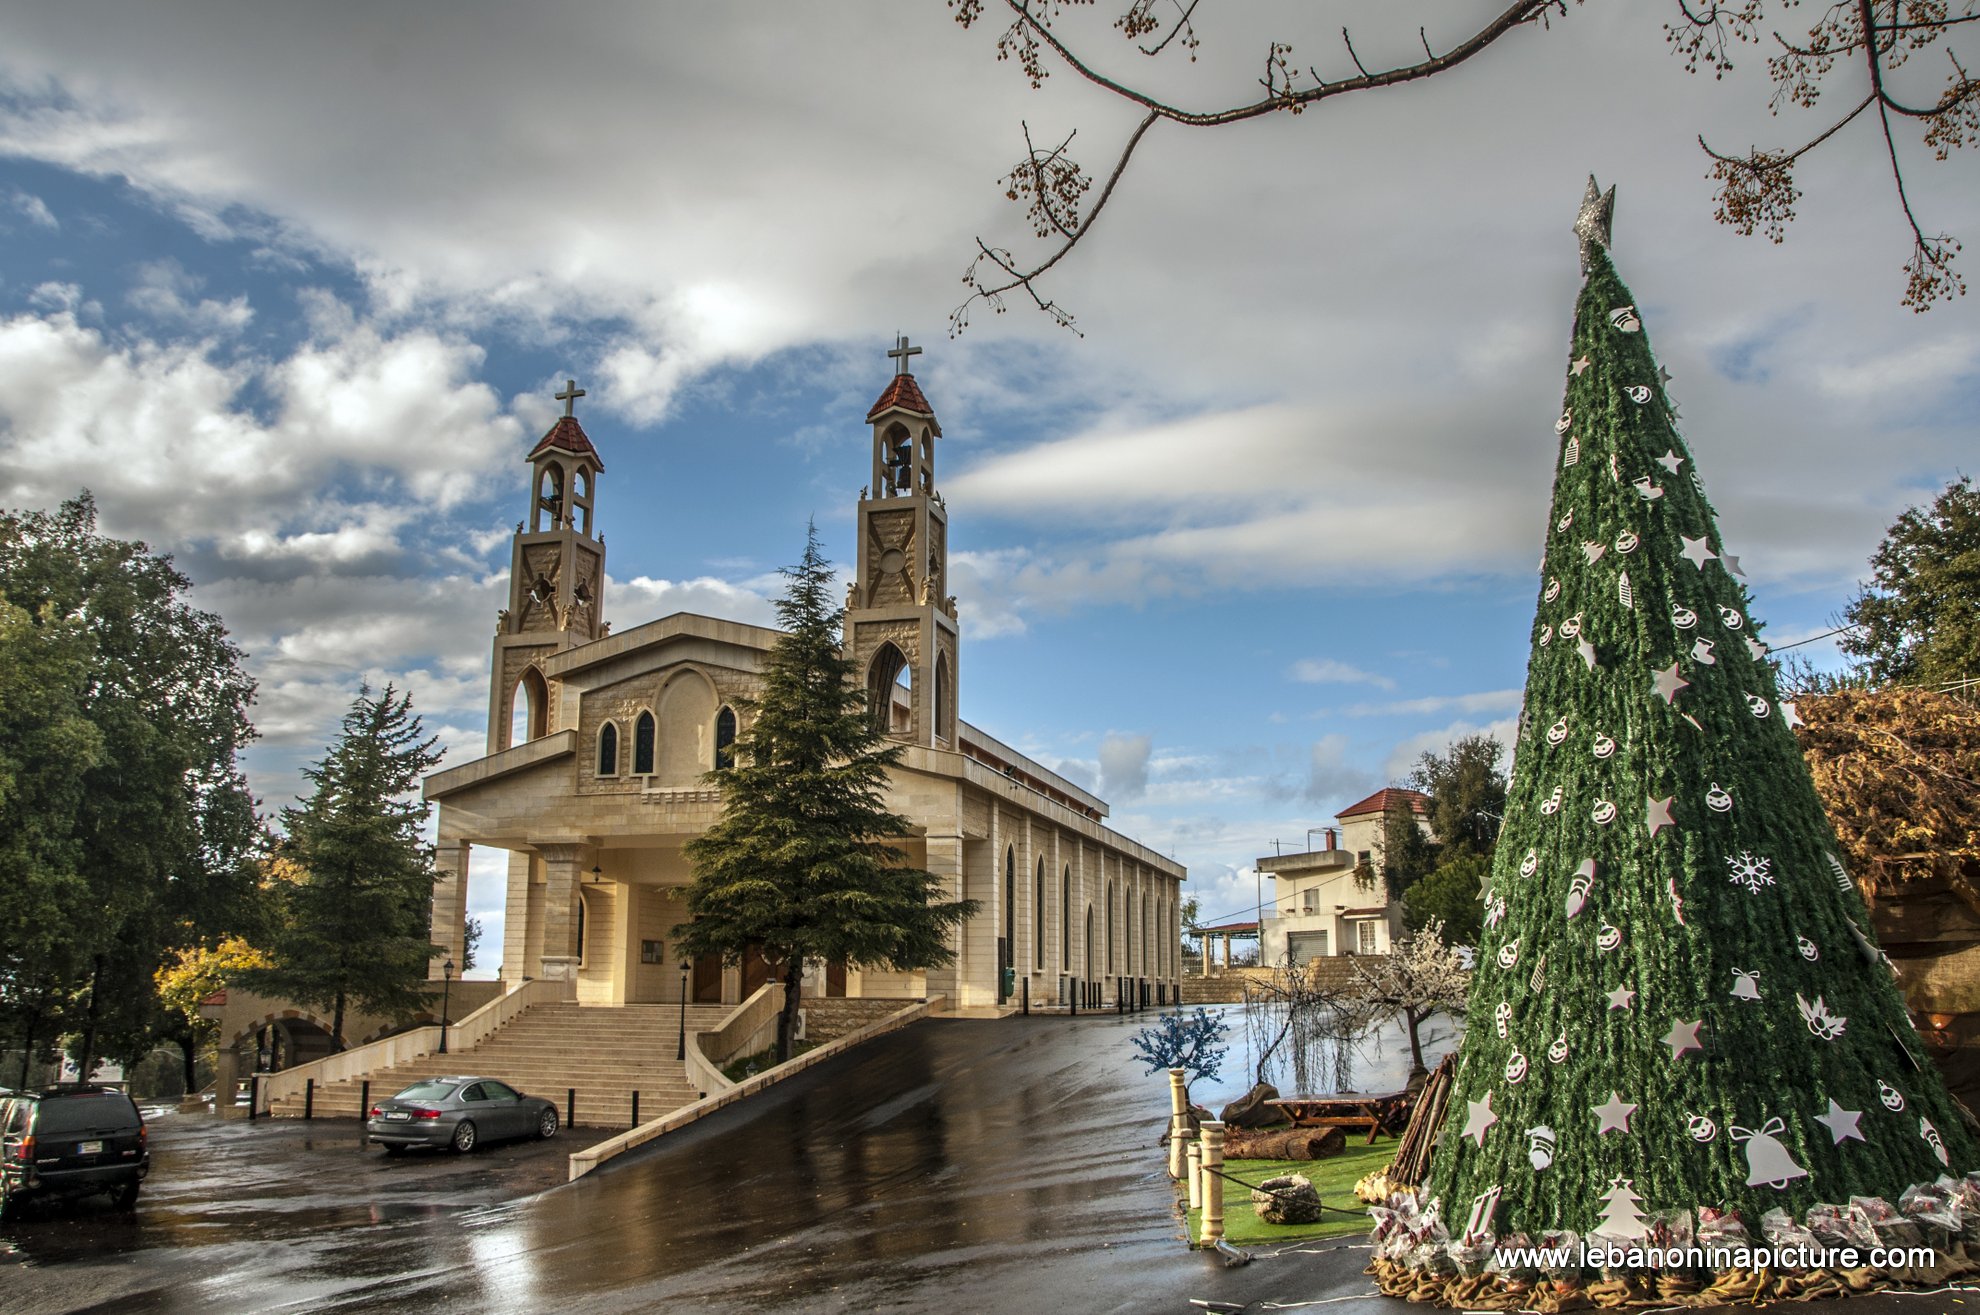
901,352
570,395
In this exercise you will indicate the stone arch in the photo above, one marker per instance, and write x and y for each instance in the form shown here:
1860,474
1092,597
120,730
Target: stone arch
549,496
529,707
945,711
883,679
686,711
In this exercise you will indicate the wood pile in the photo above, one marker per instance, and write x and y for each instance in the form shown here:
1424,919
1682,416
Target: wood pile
1412,1163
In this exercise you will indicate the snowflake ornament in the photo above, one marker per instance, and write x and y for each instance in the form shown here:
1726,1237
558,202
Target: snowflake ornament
1751,870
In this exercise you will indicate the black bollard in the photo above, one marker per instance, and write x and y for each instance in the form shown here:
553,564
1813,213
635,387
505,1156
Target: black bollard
254,1097
364,1099
635,1122
1024,996
309,1099
570,1107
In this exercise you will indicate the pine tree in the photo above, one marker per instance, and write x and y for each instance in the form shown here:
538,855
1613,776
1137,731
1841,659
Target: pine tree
1676,975
799,866
354,925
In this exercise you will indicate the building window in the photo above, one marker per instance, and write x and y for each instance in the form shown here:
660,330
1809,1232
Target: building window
725,739
1365,937
1110,927
1038,918
1309,900
1065,918
608,750
643,745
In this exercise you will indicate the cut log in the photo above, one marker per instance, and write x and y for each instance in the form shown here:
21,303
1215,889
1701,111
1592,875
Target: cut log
1283,1143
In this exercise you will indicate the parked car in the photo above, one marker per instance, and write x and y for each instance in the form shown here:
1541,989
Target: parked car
460,1112
71,1140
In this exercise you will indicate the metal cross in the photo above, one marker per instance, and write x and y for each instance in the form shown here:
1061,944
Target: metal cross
901,353
570,395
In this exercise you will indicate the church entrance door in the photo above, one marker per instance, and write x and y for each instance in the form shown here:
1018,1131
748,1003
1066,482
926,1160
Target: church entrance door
708,980
755,969
835,980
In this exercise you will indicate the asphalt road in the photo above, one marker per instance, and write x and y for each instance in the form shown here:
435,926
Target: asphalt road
953,1167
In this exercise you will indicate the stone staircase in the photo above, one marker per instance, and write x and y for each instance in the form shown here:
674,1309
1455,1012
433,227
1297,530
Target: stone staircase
606,1054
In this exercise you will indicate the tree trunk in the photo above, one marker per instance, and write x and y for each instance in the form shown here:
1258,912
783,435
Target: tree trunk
787,1021
86,1051
1417,1071
337,1026
189,1048
1283,1143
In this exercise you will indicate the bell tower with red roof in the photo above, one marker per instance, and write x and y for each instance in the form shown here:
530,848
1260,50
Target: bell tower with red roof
556,577
900,620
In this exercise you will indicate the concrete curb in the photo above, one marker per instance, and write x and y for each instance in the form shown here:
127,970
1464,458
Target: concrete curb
583,1162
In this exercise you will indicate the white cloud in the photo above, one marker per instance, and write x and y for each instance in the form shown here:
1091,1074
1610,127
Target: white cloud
34,208
1491,700
1404,756
163,291
1331,671
1124,765
642,599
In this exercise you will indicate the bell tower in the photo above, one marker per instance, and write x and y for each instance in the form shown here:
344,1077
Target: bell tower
556,578
900,620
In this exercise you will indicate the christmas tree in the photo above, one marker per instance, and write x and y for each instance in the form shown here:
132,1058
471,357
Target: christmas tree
1677,981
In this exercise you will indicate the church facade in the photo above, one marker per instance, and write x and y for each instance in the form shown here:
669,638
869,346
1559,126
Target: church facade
601,744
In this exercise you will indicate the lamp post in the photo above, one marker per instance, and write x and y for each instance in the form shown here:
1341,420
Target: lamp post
680,1053
446,991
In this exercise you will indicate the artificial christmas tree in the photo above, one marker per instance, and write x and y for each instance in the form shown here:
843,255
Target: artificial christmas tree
1686,1003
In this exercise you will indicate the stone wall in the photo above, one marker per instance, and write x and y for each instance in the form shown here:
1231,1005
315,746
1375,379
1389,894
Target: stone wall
829,1018
1333,972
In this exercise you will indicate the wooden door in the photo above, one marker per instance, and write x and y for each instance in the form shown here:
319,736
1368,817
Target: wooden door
755,969
708,980
835,980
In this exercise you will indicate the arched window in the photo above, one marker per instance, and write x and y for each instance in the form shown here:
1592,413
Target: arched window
580,930
1010,902
725,739
643,745
1089,939
608,749
1038,918
1110,925
529,707
889,691
1065,919
942,698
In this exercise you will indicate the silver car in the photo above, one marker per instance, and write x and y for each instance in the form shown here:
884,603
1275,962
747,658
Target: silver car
459,1112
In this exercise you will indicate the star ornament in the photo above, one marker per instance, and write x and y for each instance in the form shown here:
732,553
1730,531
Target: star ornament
1788,713
1841,1123
1657,813
1592,224
1614,1116
1622,998
1587,652
1671,461
1697,550
1683,1037
1579,365
1479,1118
1669,683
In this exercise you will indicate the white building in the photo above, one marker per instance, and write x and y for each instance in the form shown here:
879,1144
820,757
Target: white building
1332,901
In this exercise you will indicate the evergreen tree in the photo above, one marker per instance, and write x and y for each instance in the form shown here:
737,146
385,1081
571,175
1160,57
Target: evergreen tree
354,923
1676,977
799,866
1467,792
1407,855
1451,895
1920,622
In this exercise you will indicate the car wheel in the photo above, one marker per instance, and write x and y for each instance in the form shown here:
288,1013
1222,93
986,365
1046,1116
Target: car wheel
546,1126
126,1197
464,1136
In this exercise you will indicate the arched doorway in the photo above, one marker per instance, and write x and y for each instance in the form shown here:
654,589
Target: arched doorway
1007,943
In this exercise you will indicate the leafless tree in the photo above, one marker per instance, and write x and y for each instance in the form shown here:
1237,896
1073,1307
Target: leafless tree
1873,38
1422,977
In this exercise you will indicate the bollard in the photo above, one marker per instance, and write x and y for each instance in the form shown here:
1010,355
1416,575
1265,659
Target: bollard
1196,1175
364,1099
1072,997
254,1097
635,1122
1178,1121
309,1099
570,1107
1024,989
1213,1186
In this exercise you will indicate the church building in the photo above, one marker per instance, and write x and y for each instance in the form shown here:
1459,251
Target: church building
601,742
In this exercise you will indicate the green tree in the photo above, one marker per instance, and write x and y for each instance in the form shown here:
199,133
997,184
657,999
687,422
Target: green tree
1450,896
799,866
353,924
1407,854
1918,623
1467,790
151,847
1676,981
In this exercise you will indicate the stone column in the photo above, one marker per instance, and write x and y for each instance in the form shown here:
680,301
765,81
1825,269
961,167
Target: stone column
945,860
1213,1186
226,1077
560,929
1178,1120
450,861
516,963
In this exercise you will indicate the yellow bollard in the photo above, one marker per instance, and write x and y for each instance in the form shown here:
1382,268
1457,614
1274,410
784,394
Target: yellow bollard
1195,1176
1178,1121
1213,1186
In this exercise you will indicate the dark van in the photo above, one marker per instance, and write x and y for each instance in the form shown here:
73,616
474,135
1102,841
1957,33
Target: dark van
71,1141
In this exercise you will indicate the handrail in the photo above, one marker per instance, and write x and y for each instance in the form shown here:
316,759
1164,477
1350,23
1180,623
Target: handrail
477,1027
741,1033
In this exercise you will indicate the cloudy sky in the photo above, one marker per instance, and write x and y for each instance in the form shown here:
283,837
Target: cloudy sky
289,289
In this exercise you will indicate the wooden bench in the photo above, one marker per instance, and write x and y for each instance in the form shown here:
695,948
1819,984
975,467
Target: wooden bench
1375,1112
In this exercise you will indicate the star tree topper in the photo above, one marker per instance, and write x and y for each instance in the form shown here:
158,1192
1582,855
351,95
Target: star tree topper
1598,210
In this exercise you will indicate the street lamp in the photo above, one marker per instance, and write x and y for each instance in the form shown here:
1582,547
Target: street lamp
681,1052
446,990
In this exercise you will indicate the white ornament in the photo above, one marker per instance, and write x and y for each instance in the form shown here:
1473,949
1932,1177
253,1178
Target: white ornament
1732,619
1622,1213
1702,652
1623,319
1608,938
1657,813
1638,393
1479,1119
1530,864
1807,948
1508,956
1584,881
1553,589
1538,981
1593,549
1893,1098
1483,1207
1789,714
1841,1123
1566,421
1677,900
1768,1163
1604,746
1624,594
1566,520
1615,467
1495,911
1821,1023
1603,813
1552,803
1622,998
1751,871
1668,682
1718,800
1755,649
1683,1037
1842,877
1758,706
1700,1128
1557,1051
1502,1018
1573,454
1646,490
1558,731
1626,543
1516,1069
1546,635
1614,1115
1571,627
1746,984
1670,460
1683,617
1932,1139
1540,1146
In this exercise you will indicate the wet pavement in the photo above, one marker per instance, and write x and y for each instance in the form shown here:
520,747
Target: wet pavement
953,1166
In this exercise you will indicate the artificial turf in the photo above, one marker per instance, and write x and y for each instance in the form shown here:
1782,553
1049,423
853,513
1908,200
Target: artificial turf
1333,1177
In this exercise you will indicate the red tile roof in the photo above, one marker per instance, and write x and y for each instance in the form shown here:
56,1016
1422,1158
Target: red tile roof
905,393
567,435
1379,802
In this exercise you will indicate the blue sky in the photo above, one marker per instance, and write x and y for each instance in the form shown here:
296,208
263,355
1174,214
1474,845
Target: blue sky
290,292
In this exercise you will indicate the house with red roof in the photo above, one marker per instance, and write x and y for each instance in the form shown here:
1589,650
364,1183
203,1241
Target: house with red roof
1332,901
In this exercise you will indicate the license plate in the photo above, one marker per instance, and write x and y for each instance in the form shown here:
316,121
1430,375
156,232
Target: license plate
396,1116
89,1148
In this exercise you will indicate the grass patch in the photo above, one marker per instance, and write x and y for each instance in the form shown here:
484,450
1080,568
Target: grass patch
750,1065
1333,1177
